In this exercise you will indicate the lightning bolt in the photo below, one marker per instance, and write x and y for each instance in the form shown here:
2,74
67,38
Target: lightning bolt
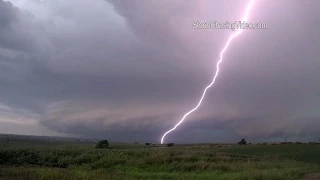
217,71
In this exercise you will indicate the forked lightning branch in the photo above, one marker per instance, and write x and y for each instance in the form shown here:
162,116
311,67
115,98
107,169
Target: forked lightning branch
229,25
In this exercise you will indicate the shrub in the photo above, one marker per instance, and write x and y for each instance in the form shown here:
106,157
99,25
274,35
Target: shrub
170,144
102,144
242,142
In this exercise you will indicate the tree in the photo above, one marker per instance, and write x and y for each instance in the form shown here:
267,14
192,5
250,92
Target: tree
102,144
242,142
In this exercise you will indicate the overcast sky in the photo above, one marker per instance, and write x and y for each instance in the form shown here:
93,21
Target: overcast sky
128,70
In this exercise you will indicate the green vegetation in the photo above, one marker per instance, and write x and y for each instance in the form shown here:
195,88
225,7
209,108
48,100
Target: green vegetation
135,161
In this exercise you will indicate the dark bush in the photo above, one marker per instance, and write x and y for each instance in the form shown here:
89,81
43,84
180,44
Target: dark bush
170,144
242,142
102,144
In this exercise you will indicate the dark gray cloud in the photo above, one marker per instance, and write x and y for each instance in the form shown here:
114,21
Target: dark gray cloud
130,69
16,31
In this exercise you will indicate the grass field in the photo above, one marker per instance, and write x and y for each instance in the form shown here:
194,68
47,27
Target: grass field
32,159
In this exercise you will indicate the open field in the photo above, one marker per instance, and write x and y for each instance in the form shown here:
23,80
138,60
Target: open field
32,159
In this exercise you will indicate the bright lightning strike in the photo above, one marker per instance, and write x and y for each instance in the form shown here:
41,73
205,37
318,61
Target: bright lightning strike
217,71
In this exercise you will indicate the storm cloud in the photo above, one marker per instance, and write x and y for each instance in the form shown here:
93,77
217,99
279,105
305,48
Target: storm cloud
128,70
